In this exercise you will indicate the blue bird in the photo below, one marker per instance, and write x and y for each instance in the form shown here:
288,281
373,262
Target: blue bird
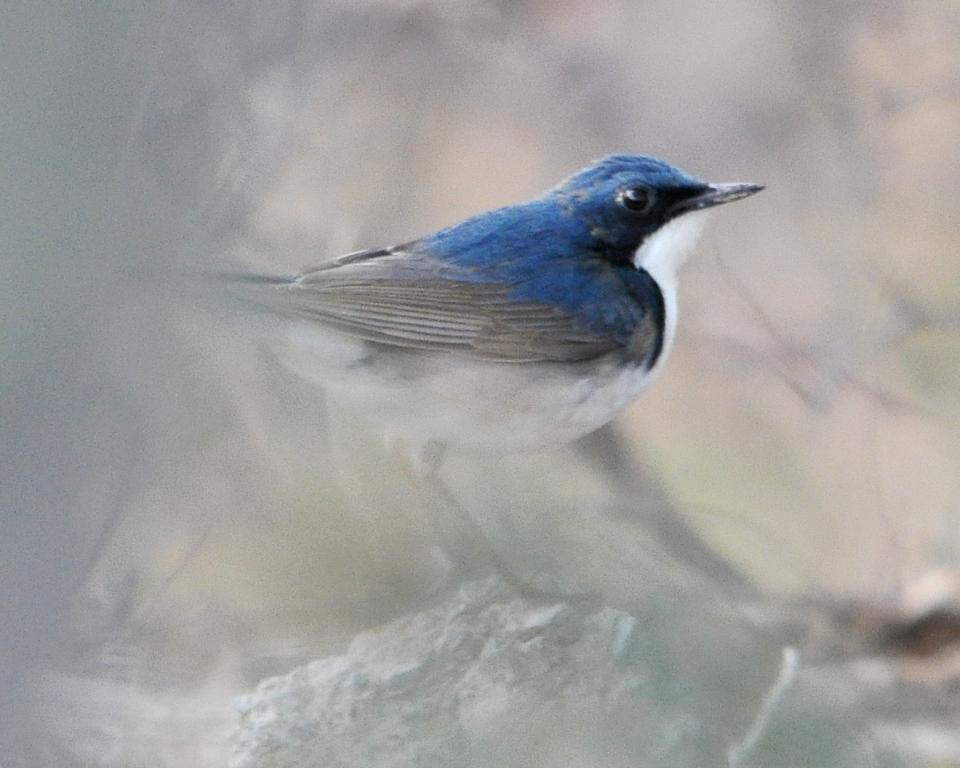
525,327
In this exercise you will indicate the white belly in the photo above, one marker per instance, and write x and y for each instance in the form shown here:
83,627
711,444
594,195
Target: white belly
462,402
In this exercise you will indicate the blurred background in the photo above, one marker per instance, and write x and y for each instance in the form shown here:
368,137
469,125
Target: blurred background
181,518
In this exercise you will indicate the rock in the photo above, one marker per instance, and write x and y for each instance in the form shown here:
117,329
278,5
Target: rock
489,678
483,679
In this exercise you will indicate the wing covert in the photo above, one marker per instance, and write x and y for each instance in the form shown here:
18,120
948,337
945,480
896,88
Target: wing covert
406,299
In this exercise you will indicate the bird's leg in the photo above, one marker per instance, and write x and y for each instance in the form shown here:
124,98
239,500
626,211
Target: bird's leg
462,541
415,461
477,552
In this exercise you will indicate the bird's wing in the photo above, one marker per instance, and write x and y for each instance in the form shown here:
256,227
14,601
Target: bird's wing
406,299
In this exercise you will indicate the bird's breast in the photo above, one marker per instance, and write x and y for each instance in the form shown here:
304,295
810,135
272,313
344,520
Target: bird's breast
466,402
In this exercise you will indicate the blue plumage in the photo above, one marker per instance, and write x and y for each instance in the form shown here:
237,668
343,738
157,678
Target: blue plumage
527,325
571,248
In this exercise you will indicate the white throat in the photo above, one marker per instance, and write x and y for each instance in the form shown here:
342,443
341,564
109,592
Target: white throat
662,254
666,250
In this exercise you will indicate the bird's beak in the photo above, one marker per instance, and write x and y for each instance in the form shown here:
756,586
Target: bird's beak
715,194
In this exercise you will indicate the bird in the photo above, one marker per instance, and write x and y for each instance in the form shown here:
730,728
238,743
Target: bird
522,328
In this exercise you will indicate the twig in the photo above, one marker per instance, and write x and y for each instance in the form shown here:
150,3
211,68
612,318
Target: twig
788,675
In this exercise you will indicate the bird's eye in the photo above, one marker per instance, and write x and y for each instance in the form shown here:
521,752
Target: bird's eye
637,199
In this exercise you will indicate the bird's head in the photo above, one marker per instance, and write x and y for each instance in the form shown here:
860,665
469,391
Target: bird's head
642,210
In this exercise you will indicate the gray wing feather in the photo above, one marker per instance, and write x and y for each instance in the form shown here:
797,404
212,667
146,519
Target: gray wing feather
409,300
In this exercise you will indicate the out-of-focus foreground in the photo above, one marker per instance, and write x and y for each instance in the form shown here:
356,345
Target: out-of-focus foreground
181,518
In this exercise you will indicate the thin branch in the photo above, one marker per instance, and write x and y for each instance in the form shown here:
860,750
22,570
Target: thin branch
789,668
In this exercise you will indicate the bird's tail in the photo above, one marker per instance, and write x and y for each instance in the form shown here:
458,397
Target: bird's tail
241,291
248,278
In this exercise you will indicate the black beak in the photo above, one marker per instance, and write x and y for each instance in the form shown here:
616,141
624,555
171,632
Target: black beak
714,194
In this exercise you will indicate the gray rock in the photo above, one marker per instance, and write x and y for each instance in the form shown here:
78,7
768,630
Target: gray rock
485,677
493,679
489,678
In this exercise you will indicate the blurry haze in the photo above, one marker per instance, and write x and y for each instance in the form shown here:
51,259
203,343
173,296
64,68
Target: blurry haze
181,518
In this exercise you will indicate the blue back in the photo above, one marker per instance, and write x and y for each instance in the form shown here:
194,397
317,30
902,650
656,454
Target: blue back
572,247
